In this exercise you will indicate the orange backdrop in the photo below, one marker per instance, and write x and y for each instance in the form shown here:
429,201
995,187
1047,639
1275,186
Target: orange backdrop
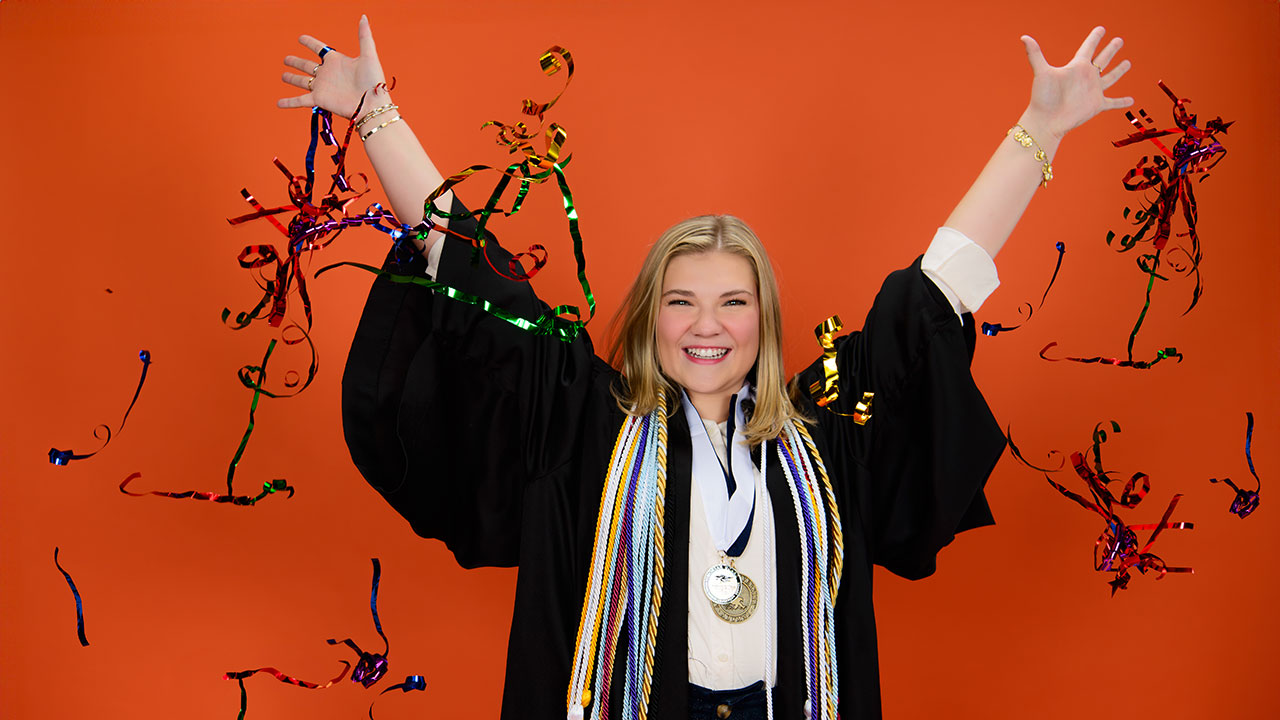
843,132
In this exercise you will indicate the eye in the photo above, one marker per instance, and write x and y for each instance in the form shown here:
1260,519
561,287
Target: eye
736,301
677,301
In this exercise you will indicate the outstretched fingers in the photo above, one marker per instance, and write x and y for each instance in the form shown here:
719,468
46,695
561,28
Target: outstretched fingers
307,66
1116,73
301,101
1034,55
299,81
311,43
1090,44
1104,58
1116,103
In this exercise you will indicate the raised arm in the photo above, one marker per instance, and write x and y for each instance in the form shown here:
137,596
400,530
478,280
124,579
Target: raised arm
1062,98
336,82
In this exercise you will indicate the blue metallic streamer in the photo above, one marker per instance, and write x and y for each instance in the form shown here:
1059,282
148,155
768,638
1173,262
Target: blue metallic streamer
79,607
63,457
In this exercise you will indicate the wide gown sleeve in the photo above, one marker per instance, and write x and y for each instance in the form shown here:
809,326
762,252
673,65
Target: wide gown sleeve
915,472
449,411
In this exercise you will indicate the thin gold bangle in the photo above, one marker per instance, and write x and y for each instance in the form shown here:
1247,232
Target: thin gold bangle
374,113
369,134
1023,138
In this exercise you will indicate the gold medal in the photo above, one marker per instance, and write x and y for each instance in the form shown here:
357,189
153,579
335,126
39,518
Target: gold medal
741,607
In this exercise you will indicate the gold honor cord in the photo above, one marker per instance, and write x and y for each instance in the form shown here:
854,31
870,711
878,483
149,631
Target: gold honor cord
827,390
836,568
585,700
659,541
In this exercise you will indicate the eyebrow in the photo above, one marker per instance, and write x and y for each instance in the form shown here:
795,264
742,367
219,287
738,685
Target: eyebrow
690,293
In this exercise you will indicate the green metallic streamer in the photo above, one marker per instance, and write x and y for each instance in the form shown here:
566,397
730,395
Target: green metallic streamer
253,407
549,323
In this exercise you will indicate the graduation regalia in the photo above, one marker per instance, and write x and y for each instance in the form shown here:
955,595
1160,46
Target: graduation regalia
496,441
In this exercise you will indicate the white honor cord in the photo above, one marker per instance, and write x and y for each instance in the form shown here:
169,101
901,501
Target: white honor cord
770,623
579,678
804,570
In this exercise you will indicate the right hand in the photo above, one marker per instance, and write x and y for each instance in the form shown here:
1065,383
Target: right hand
339,81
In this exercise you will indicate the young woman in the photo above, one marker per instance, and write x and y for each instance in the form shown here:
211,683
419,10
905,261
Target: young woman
693,539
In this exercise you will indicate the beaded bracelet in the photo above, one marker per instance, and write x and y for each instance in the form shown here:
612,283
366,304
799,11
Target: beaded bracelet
369,134
1023,138
374,113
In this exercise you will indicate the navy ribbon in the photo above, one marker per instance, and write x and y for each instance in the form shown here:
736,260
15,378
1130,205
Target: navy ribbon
739,545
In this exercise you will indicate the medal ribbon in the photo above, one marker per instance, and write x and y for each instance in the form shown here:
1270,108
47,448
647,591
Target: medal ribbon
730,510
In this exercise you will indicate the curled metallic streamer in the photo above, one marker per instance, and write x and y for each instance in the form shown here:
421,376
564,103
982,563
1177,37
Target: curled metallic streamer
371,666
993,329
1169,176
63,457
269,487
826,391
1245,501
239,677
1117,549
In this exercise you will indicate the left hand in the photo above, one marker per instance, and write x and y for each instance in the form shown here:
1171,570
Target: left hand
336,82
1066,97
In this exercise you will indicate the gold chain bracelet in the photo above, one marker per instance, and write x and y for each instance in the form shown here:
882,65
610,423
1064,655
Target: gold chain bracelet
1023,138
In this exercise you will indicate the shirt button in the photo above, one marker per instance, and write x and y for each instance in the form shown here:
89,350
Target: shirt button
724,657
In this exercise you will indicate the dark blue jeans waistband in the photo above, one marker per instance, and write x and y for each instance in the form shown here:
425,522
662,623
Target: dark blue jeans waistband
746,703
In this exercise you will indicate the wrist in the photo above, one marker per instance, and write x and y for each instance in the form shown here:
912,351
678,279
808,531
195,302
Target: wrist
1040,140
377,120
1042,127
375,96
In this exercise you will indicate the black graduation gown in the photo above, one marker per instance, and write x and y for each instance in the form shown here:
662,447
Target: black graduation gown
497,441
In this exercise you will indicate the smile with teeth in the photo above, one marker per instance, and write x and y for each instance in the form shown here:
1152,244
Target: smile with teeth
706,353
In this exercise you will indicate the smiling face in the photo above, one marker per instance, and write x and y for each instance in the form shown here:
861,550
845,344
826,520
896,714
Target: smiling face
708,327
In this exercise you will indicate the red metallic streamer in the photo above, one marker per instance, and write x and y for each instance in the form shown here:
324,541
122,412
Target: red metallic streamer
270,487
239,677
1168,176
1117,549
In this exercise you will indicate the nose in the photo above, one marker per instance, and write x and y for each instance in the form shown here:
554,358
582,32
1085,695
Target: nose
707,324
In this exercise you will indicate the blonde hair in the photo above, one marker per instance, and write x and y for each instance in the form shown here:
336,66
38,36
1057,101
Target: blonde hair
634,350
